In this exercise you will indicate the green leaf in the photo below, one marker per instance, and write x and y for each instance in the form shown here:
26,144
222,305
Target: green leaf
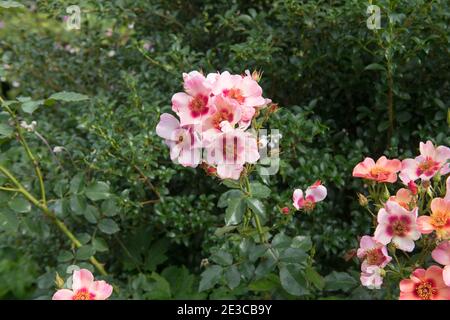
293,280
99,245
316,279
259,190
223,258
8,220
78,204
108,226
65,256
91,214
375,66
293,255
302,242
31,106
156,254
281,241
224,230
268,283
232,277
339,281
68,96
85,252
5,130
11,4
234,212
210,277
231,184
227,196
77,183
159,288
98,191
257,207
19,204
109,208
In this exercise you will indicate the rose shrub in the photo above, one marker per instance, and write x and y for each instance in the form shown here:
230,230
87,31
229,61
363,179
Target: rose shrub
78,132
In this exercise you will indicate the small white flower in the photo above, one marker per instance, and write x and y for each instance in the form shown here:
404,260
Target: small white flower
131,25
111,53
16,84
58,149
29,127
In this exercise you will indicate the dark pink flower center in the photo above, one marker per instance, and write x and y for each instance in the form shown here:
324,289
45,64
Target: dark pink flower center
235,94
399,226
199,105
375,256
83,294
428,167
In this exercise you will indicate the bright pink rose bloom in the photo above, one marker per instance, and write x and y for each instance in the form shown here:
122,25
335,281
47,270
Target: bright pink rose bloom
425,285
84,288
315,193
404,197
384,170
397,225
438,221
184,144
193,106
442,255
371,277
226,110
372,253
230,150
430,162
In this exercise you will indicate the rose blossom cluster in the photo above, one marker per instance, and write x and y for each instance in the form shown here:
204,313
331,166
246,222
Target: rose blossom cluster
419,211
212,117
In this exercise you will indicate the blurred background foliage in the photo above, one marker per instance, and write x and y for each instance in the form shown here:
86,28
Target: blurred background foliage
152,222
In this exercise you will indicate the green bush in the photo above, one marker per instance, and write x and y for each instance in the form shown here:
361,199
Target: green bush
344,91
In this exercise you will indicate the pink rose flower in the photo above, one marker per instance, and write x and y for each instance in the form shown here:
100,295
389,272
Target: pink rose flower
397,225
430,162
404,197
373,253
315,193
425,285
184,144
438,221
384,170
442,255
84,288
371,277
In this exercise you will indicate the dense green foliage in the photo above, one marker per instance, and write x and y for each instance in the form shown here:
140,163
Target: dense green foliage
152,222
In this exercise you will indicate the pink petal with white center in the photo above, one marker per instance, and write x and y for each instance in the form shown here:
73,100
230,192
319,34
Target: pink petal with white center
442,253
403,243
382,216
446,275
101,289
318,193
195,83
298,195
381,235
427,149
82,278
180,101
442,154
229,171
167,126
63,294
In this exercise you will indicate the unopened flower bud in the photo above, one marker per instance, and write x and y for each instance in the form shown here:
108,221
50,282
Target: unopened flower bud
285,210
363,201
204,263
59,282
256,75
412,186
426,184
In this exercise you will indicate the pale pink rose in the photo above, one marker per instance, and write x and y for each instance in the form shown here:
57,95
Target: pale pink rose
315,193
194,105
442,255
184,144
384,170
430,162
373,253
425,285
371,277
230,149
84,288
397,225
438,221
447,185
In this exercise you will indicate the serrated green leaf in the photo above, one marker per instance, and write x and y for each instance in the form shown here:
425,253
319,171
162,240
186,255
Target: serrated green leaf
210,277
98,191
68,96
108,226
